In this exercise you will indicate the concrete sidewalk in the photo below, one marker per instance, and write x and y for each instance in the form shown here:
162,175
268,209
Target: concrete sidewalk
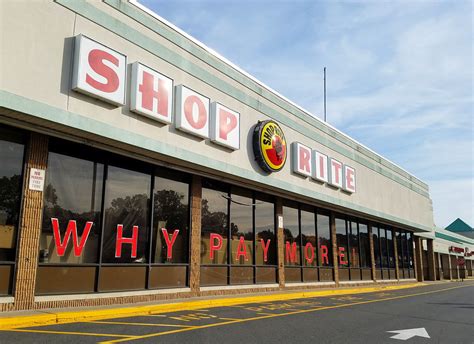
18,319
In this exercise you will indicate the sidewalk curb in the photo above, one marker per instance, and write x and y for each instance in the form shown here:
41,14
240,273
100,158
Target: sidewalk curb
62,317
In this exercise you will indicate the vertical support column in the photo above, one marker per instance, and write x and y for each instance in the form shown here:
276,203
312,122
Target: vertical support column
332,220
372,253
280,243
395,253
195,263
450,268
440,267
419,258
431,260
30,225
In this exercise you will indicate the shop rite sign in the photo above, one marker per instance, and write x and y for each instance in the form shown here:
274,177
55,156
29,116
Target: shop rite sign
101,73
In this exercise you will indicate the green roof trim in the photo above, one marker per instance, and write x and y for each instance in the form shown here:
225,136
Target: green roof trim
450,238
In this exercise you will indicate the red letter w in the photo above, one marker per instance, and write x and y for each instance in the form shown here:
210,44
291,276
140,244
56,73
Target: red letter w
71,229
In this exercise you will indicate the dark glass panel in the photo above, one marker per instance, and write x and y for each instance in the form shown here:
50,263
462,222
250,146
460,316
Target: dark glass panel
341,237
265,230
390,249
310,275
355,274
292,274
364,245
308,235
116,278
325,245
73,192
326,274
167,276
127,199
6,272
266,275
366,274
65,279
213,275
383,248
343,274
11,179
400,251
375,236
241,275
292,236
354,256
214,221
241,227
410,250
171,212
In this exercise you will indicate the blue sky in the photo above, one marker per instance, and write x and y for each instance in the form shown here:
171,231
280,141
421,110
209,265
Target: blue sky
400,74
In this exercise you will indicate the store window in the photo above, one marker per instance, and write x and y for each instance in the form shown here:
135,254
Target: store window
325,243
354,245
250,254
266,241
383,247
12,148
400,252
292,236
308,237
342,249
170,230
72,210
364,246
97,220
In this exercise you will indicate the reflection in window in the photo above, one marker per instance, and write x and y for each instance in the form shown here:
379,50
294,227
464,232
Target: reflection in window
292,237
383,247
364,246
354,245
308,235
72,198
11,152
399,249
375,235
265,233
325,245
241,227
213,226
341,239
171,218
126,216
390,250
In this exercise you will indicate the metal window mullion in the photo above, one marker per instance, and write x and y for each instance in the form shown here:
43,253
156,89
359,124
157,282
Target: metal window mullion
102,226
150,226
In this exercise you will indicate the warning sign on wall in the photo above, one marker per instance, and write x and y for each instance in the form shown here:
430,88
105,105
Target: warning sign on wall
36,179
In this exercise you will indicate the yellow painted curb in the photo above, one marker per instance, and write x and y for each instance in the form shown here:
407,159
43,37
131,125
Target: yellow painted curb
61,317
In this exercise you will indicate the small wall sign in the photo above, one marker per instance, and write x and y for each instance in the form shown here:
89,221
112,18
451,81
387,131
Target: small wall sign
36,182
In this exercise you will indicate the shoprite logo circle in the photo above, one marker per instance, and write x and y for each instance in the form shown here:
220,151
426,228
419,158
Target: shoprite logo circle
269,146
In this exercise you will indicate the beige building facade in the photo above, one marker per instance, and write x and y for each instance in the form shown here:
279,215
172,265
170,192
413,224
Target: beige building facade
139,165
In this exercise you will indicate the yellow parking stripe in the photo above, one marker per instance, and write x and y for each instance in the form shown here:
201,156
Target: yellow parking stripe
282,314
71,333
133,323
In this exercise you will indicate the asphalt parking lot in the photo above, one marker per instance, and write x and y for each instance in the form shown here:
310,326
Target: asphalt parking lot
444,310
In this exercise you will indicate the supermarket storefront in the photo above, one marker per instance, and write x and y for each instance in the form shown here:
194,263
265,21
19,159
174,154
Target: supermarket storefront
139,166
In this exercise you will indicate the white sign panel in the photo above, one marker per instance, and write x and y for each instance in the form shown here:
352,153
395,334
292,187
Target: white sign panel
36,181
225,126
349,179
302,159
335,177
320,167
192,112
99,71
280,221
151,93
